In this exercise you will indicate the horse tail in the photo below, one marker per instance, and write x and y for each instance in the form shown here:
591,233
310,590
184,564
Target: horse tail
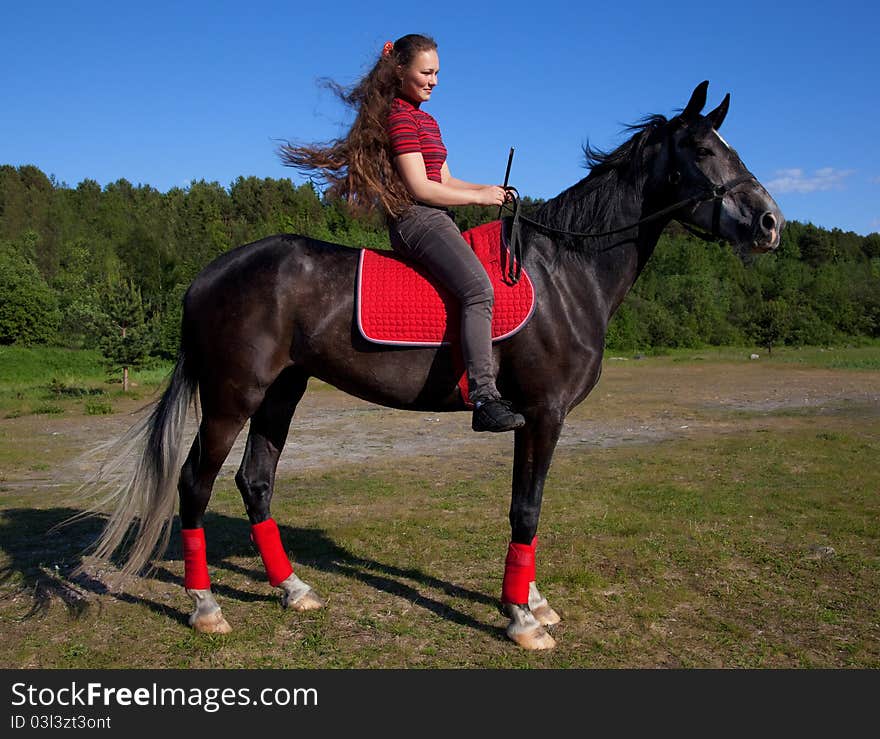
146,499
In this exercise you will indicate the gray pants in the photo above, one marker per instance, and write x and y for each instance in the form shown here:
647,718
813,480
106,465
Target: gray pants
429,237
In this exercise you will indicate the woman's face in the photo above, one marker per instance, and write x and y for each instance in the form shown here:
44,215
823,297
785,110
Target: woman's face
420,77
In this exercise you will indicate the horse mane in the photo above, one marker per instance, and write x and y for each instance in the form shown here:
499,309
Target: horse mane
594,203
601,162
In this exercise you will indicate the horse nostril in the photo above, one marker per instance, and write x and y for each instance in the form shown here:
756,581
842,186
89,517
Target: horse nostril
768,222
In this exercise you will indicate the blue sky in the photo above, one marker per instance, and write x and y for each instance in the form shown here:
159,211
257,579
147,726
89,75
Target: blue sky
164,93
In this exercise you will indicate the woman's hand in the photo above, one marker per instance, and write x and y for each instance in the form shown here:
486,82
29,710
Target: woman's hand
491,195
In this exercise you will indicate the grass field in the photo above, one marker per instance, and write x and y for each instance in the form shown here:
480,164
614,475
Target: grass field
49,380
847,357
703,510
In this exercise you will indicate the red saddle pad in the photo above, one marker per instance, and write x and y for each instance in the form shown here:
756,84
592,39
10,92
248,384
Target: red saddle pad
398,304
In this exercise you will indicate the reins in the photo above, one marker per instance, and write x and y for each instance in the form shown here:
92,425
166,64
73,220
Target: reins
712,192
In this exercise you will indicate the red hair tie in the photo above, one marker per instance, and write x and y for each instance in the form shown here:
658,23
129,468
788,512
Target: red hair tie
387,49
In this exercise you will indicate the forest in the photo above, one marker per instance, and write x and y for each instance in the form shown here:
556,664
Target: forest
106,268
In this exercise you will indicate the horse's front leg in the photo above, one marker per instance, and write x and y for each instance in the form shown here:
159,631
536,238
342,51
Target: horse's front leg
529,612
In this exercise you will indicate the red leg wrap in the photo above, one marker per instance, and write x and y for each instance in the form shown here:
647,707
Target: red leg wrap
519,571
195,562
268,541
532,575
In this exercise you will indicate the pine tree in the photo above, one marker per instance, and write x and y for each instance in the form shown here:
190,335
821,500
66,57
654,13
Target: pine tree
126,341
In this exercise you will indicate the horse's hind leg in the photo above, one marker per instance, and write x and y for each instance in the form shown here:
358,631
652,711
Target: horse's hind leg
209,449
256,482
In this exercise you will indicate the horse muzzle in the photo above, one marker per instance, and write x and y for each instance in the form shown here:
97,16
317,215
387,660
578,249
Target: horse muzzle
767,232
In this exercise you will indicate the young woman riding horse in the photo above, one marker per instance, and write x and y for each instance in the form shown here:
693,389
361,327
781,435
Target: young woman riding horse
393,157
262,319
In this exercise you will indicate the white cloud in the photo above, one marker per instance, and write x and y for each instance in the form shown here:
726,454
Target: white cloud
797,180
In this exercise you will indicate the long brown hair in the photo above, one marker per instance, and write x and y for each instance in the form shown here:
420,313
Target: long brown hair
358,167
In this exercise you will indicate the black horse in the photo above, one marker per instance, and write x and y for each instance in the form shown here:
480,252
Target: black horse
262,319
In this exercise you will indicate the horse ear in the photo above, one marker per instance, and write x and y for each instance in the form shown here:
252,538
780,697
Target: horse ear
717,116
697,101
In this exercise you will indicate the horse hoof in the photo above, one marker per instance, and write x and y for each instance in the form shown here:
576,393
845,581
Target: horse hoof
309,601
299,595
534,640
211,623
546,615
525,629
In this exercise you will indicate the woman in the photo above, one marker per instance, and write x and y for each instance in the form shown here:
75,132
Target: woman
394,158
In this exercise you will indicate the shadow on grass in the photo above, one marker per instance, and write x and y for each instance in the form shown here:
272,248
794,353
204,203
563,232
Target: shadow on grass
39,561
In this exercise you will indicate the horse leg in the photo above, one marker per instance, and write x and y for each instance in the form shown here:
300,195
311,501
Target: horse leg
209,449
540,608
533,452
256,482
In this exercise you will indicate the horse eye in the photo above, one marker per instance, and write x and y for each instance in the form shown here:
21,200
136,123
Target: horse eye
702,151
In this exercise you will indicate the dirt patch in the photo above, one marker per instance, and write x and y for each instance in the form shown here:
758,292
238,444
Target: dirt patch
635,403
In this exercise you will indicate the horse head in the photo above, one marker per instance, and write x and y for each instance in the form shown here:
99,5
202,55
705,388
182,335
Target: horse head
722,196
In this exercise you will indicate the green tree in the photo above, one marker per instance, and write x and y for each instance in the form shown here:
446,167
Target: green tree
773,320
28,307
166,324
126,341
77,286
817,246
871,246
625,331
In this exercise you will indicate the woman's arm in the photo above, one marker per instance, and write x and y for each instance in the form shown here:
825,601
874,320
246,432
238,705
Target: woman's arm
447,178
411,167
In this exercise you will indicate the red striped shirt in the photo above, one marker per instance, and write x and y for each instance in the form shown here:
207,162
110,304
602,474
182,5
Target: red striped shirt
412,130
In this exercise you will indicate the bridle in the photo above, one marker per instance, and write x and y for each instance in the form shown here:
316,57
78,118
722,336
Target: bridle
710,192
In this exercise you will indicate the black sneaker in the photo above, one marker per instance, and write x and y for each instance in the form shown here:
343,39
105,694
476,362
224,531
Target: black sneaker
495,415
